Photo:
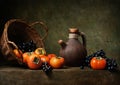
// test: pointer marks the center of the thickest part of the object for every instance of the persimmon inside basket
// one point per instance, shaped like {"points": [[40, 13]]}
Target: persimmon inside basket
{"points": [[17, 30]]}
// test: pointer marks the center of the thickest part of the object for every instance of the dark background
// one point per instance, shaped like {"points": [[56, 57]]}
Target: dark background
{"points": [[98, 19]]}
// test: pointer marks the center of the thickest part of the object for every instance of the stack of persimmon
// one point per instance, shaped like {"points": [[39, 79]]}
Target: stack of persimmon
{"points": [[35, 59]]}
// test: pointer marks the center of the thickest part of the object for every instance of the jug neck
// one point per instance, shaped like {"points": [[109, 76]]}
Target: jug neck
{"points": [[73, 35]]}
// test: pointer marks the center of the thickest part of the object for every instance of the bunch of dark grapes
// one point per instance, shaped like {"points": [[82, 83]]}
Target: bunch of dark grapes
{"points": [[111, 64], [46, 68], [29, 46]]}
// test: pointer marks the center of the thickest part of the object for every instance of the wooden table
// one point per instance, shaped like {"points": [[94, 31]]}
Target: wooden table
{"points": [[66, 76]]}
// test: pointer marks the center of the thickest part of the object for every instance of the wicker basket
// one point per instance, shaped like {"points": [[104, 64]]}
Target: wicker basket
{"points": [[16, 30]]}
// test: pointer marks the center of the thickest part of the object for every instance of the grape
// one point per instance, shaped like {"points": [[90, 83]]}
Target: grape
{"points": [[111, 64], [108, 68], [115, 64], [29, 46], [82, 67], [46, 68]]}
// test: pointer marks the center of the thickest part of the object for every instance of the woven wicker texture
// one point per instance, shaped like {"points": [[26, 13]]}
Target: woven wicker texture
{"points": [[16, 30]]}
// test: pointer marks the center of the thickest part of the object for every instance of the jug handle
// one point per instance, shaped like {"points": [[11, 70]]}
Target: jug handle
{"points": [[82, 34]]}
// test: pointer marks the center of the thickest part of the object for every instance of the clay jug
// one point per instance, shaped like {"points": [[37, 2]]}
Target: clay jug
{"points": [[73, 51]]}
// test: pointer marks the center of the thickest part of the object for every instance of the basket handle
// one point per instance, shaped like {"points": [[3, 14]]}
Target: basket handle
{"points": [[6, 37], [13, 44], [44, 26]]}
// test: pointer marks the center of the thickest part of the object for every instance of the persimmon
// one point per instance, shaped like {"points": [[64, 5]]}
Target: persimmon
{"points": [[51, 55], [57, 62], [40, 51], [34, 62], [26, 55], [98, 63], [18, 53], [44, 58]]}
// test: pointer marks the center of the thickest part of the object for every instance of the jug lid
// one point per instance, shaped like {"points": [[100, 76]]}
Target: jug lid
{"points": [[73, 30]]}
